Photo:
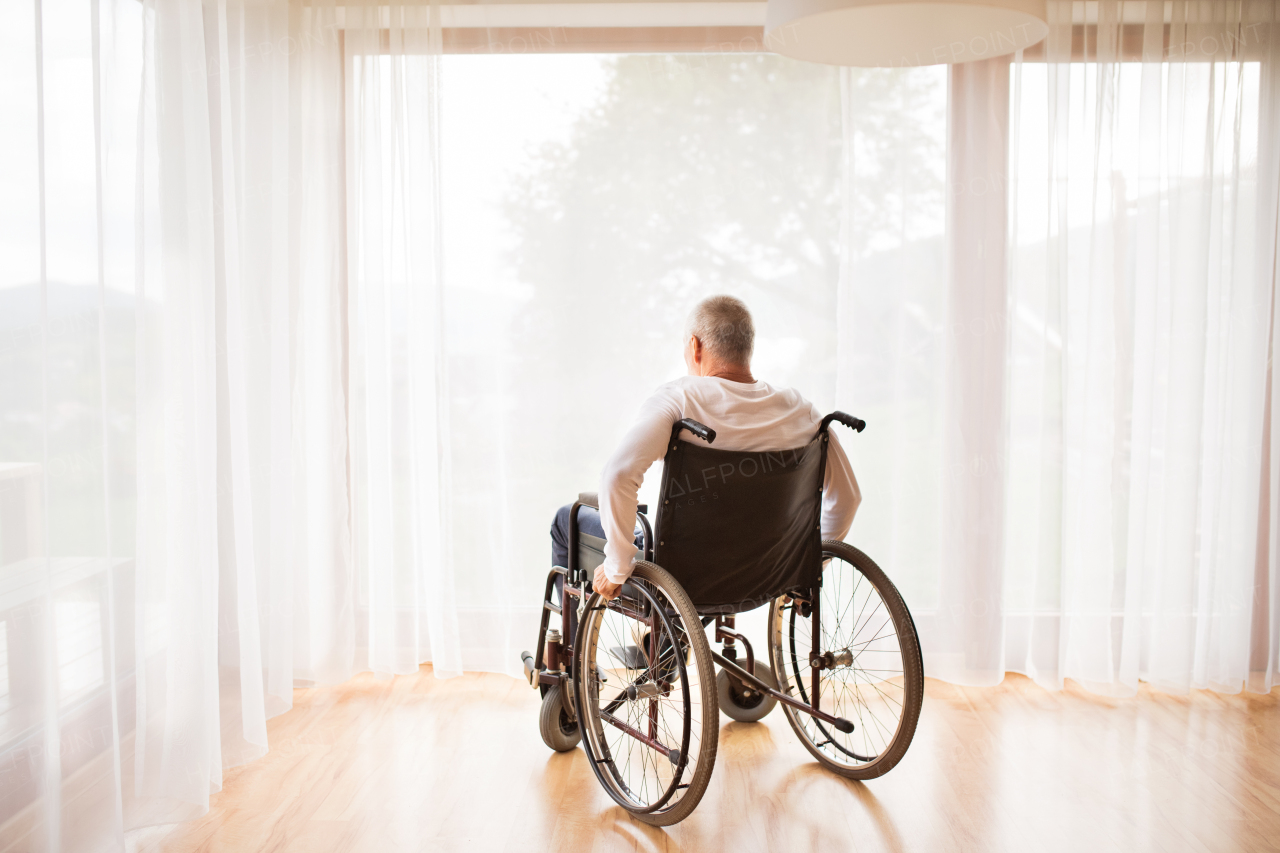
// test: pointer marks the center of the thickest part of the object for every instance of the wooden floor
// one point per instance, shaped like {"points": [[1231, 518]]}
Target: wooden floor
{"points": [[419, 764]]}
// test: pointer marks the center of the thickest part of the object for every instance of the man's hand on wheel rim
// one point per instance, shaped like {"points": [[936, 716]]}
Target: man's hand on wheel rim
{"points": [[601, 584]]}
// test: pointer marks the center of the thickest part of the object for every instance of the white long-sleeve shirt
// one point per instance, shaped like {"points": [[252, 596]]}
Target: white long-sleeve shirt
{"points": [[750, 416]]}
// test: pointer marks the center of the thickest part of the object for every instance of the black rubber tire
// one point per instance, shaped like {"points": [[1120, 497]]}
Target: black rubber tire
{"points": [[699, 659], [754, 708], [912, 670], [558, 731]]}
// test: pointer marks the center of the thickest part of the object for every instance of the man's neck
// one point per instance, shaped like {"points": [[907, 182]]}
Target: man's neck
{"points": [[731, 372]]}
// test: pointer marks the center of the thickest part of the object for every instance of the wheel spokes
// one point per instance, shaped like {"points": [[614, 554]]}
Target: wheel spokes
{"points": [[867, 683], [649, 740]]}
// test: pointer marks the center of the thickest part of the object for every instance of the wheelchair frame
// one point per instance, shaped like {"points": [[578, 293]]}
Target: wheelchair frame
{"points": [[548, 668], [548, 662], [552, 664]]}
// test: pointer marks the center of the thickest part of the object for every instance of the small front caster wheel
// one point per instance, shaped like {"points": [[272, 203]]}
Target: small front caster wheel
{"points": [[742, 702], [558, 731]]}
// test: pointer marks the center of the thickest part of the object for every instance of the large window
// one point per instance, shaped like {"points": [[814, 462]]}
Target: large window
{"points": [[590, 199]]}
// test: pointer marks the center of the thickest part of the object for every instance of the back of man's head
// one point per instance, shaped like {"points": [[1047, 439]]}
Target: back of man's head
{"points": [[724, 326]]}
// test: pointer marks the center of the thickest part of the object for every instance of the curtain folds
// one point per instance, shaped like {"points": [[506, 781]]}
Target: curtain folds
{"points": [[224, 473], [1101, 449], [406, 608]]}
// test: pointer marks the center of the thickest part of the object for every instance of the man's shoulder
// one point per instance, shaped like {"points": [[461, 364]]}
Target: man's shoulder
{"points": [[669, 397], [789, 394], [786, 395], [791, 400], [685, 388], [676, 388]]}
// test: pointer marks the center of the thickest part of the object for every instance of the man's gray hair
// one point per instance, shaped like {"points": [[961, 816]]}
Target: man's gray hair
{"points": [[724, 326]]}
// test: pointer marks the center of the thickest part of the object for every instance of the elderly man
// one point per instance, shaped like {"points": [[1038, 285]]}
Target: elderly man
{"points": [[721, 392]]}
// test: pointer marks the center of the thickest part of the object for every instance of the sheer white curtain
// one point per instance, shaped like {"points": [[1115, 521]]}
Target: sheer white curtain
{"points": [[406, 607], [1152, 285], [221, 467], [1074, 476]]}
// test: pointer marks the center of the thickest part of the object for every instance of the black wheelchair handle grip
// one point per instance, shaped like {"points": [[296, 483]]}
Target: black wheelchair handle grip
{"points": [[855, 424], [702, 431]]}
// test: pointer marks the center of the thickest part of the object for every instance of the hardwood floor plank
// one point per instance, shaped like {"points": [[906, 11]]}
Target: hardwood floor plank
{"points": [[419, 764]]}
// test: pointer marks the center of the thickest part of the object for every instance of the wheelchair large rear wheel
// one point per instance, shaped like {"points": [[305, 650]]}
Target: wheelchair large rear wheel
{"points": [[646, 697], [872, 676]]}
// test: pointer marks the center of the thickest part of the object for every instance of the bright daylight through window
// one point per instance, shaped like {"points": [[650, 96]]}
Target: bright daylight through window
{"points": [[588, 198]]}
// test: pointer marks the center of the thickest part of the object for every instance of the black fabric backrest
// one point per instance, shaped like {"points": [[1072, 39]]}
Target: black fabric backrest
{"points": [[739, 528]]}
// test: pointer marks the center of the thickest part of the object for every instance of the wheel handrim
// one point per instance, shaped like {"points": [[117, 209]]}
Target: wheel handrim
{"points": [[870, 690], [636, 774]]}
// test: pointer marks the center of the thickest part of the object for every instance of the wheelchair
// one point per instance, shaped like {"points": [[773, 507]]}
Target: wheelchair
{"points": [[634, 679]]}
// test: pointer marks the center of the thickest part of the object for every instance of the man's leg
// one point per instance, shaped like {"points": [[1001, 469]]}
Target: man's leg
{"points": [[560, 537], [589, 523]]}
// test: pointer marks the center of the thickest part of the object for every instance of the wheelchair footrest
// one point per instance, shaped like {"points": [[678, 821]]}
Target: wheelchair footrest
{"points": [[632, 657]]}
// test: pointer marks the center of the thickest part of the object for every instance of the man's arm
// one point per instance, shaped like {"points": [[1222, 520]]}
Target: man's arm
{"points": [[841, 496], [644, 444]]}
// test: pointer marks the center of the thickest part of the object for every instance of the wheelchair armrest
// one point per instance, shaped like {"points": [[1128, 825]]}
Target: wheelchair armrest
{"points": [[592, 499]]}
